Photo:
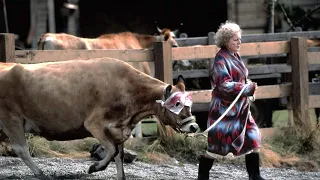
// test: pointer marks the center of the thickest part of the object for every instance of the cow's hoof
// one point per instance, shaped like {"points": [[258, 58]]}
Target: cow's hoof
{"points": [[93, 168], [42, 176]]}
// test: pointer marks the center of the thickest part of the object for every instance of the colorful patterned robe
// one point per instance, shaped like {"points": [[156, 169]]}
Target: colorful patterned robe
{"points": [[237, 132]]}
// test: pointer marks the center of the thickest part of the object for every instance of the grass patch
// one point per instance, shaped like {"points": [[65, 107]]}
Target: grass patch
{"points": [[40, 147], [178, 146], [294, 149]]}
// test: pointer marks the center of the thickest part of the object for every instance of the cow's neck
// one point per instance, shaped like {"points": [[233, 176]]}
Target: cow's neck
{"points": [[146, 41], [148, 92]]}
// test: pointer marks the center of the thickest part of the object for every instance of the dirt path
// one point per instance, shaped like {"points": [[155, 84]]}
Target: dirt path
{"points": [[63, 168]]}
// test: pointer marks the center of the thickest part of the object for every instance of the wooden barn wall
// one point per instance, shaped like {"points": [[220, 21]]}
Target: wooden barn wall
{"points": [[312, 23], [251, 15]]}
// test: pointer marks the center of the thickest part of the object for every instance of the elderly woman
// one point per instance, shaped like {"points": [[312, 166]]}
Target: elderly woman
{"points": [[237, 132]]}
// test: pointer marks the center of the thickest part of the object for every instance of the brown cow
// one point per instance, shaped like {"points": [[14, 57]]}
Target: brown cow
{"points": [[75, 99], [123, 40]]}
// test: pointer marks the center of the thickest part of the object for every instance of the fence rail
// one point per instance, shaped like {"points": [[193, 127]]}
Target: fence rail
{"points": [[163, 54]]}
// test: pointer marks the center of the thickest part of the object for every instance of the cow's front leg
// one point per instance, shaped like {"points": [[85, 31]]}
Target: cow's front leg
{"points": [[110, 148]]}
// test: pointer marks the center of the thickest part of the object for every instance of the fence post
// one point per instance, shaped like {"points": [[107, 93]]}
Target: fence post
{"points": [[7, 47], [211, 42], [163, 71], [163, 61], [300, 83]]}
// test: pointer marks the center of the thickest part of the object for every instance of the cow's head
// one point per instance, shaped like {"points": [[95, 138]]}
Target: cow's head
{"points": [[176, 108], [168, 35]]}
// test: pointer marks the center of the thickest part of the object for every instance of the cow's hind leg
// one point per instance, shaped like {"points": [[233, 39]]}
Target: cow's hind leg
{"points": [[119, 161], [13, 127]]}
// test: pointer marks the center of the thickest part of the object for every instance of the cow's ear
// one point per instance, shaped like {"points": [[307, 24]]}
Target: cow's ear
{"points": [[167, 35], [181, 79], [167, 92]]}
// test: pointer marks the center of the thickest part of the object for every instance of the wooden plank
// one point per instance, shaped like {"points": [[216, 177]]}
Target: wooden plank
{"points": [[37, 56], [273, 91], [192, 41], [247, 49], [264, 76], [200, 107], [314, 101], [263, 48], [314, 57], [263, 92], [314, 88], [245, 20], [194, 52], [231, 10], [7, 47], [191, 73], [267, 69], [201, 96], [252, 9], [253, 70], [300, 88], [284, 36]]}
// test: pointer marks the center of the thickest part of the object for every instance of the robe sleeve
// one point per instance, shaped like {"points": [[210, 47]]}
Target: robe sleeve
{"points": [[224, 82]]}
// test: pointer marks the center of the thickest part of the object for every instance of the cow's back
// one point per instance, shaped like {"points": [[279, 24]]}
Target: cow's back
{"points": [[60, 41]]}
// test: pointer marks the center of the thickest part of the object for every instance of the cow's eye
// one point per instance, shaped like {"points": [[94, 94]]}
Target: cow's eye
{"points": [[177, 104]]}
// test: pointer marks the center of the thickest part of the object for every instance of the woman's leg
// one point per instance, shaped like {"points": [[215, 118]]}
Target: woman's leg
{"points": [[253, 166], [205, 164]]}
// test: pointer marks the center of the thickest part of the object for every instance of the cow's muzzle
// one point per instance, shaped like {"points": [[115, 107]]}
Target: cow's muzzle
{"points": [[188, 125]]}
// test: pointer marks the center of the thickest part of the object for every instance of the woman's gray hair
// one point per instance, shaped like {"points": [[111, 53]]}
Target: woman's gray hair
{"points": [[225, 32]]}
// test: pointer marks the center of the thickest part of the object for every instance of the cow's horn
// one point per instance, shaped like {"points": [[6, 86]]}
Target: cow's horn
{"points": [[175, 32], [159, 30]]}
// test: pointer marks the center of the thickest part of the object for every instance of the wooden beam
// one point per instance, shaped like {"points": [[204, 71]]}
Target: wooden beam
{"points": [[7, 47], [38, 56], [262, 48], [314, 57], [194, 52], [263, 92], [253, 70], [273, 91], [163, 61], [284, 36], [314, 101], [300, 88], [247, 49]]}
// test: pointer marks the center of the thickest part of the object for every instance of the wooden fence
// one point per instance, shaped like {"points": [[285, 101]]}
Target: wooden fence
{"points": [[299, 62]]}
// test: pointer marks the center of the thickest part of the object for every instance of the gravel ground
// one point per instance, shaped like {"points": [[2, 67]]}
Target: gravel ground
{"points": [[63, 168]]}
